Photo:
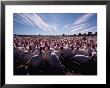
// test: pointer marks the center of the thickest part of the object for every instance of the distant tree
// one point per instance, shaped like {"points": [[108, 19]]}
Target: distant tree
{"points": [[95, 33], [63, 34], [89, 33], [84, 34], [74, 34], [79, 34], [15, 34]]}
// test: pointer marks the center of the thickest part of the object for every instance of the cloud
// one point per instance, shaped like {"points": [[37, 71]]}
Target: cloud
{"points": [[88, 29], [83, 18], [66, 26], [55, 27], [78, 29], [36, 21], [19, 21], [81, 24], [24, 18]]}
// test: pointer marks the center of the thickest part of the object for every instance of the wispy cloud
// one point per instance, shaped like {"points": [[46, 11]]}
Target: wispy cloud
{"points": [[81, 24], [79, 28], [66, 26], [24, 18], [35, 20], [52, 24], [19, 21], [83, 18], [54, 27], [88, 29]]}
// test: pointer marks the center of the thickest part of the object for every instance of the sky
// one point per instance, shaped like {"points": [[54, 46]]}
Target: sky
{"points": [[54, 23]]}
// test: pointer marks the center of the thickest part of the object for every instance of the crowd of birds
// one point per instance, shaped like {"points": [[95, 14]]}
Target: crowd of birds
{"points": [[55, 55]]}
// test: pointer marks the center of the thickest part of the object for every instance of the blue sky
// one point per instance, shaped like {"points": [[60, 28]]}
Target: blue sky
{"points": [[54, 23]]}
